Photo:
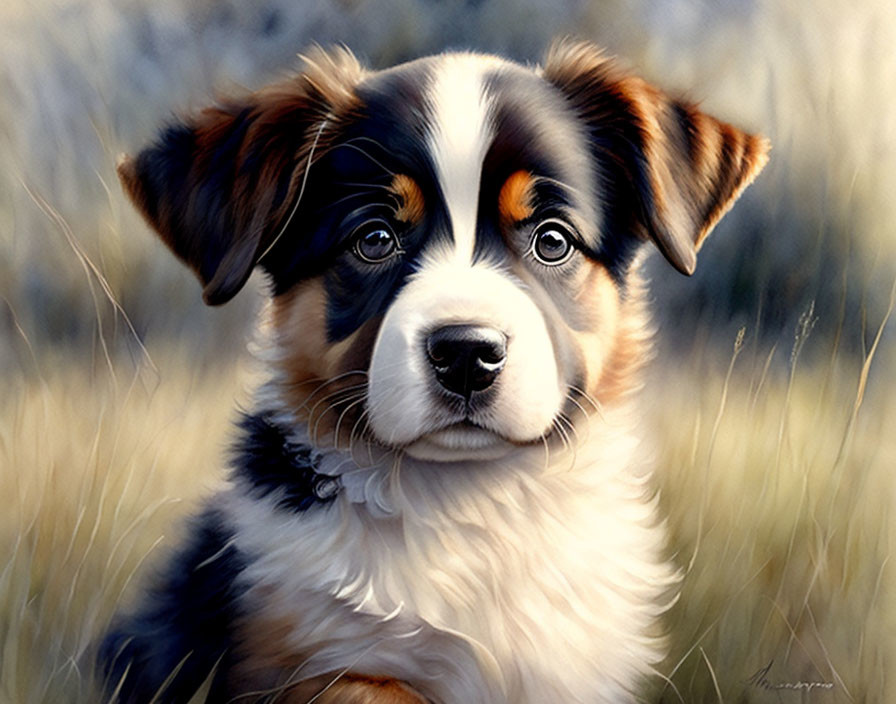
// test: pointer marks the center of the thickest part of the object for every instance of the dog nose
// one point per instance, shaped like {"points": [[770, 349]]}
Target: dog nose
{"points": [[466, 358]]}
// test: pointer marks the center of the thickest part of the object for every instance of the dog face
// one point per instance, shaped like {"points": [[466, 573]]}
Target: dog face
{"points": [[451, 244]]}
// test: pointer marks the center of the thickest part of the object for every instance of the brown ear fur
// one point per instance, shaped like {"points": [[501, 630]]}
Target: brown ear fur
{"points": [[218, 187], [683, 168]]}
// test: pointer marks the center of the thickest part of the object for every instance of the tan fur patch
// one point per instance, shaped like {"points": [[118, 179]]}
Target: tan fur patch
{"points": [[324, 383], [355, 689], [752, 156], [515, 198], [345, 689], [412, 206], [599, 297], [614, 342], [266, 660], [332, 75], [269, 663], [631, 351], [299, 316]]}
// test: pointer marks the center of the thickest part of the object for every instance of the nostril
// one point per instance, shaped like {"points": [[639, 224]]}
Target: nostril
{"points": [[492, 352], [466, 358], [439, 350]]}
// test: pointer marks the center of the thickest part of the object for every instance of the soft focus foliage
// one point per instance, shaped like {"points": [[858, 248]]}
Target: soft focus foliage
{"points": [[96, 465], [775, 462], [83, 81], [778, 485]]}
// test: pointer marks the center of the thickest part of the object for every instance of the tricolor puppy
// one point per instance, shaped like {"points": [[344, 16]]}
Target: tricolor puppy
{"points": [[437, 496]]}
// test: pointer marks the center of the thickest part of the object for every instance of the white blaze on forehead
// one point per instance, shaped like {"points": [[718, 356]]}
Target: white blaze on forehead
{"points": [[459, 136]]}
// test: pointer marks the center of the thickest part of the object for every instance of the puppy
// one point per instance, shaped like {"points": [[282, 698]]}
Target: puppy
{"points": [[438, 495]]}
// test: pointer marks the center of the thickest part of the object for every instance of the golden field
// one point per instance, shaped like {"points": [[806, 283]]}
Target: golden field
{"points": [[778, 489]]}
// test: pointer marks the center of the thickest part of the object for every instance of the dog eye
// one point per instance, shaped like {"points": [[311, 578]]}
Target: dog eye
{"points": [[374, 242], [552, 243]]}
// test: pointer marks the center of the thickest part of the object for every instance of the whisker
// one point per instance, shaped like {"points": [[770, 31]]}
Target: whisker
{"points": [[573, 446], [367, 138], [348, 145], [295, 206], [328, 379], [323, 385], [349, 197], [339, 421], [563, 434], [578, 405], [370, 186], [561, 184], [322, 399], [315, 424], [589, 398], [395, 478], [547, 451], [322, 382], [343, 672], [569, 424], [366, 189], [585, 417], [334, 399], [362, 420]]}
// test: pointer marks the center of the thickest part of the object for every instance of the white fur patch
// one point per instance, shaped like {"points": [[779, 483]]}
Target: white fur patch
{"points": [[459, 136], [511, 581], [403, 405]]}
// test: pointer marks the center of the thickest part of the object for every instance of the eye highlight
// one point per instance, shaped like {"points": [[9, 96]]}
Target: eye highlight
{"points": [[374, 242], [552, 243]]}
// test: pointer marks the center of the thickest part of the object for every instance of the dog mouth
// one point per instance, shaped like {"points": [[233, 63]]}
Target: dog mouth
{"points": [[463, 434], [460, 440]]}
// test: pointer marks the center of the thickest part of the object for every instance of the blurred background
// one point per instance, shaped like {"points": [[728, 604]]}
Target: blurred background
{"points": [[771, 401]]}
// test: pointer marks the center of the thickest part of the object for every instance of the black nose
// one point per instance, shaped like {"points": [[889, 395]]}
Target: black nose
{"points": [[466, 358]]}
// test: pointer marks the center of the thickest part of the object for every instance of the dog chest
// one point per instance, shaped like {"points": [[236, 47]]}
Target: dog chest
{"points": [[510, 590]]}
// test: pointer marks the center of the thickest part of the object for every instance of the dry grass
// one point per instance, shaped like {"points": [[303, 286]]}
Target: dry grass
{"points": [[778, 489], [95, 469]]}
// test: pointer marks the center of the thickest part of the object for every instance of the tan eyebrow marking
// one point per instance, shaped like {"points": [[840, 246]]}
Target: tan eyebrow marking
{"points": [[411, 197], [515, 198]]}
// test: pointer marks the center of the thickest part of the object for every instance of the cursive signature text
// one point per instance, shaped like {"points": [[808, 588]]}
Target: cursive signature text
{"points": [[760, 679]]}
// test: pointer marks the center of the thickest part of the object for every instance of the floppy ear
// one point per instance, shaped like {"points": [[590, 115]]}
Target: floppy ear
{"points": [[669, 171], [218, 187]]}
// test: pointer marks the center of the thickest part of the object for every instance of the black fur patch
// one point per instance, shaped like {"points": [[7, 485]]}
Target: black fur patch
{"points": [[269, 463], [529, 114], [348, 185], [184, 626]]}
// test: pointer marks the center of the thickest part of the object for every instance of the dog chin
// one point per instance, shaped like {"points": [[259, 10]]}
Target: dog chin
{"points": [[459, 442]]}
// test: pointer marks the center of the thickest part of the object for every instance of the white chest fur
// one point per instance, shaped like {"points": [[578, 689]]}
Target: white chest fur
{"points": [[521, 581]]}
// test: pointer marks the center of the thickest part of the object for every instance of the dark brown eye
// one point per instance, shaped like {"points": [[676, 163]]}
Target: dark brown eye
{"points": [[375, 242], [552, 243]]}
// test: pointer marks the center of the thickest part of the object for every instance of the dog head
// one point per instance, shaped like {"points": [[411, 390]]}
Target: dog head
{"points": [[451, 244]]}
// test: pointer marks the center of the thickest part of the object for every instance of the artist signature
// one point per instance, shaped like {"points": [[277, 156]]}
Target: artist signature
{"points": [[760, 679]]}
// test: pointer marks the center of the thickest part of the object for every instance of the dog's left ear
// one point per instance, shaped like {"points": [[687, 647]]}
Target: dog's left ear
{"points": [[670, 172]]}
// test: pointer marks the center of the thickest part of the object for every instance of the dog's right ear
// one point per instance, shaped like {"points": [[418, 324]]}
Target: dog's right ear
{"points": [[672, 171], [217, 188]]}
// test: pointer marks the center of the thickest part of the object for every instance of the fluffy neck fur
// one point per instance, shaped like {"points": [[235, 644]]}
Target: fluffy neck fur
{"points": [[475, 584]]}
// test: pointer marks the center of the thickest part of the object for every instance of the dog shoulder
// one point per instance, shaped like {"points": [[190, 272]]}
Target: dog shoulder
{"points": [[182, 632]]}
